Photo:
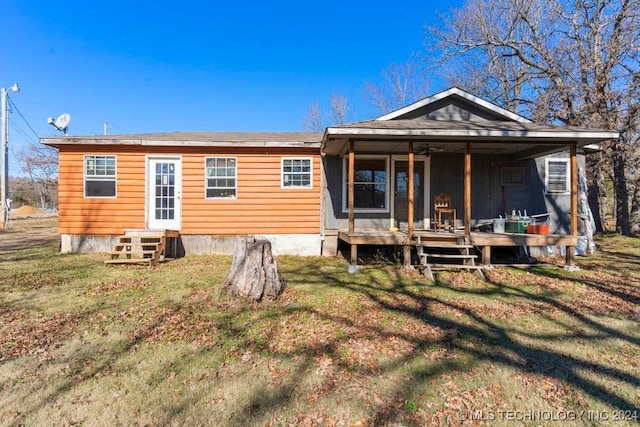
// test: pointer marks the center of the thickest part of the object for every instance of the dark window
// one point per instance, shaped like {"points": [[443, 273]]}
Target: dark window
{"points": [[370, 183], [512, 176]]}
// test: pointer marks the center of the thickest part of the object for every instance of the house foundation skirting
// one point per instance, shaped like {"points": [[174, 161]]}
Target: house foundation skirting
{"points": [[86, 244], [282, 244]]}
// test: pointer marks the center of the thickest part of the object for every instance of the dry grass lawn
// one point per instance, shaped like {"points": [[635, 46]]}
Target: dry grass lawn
{"points": [[82, 343]]}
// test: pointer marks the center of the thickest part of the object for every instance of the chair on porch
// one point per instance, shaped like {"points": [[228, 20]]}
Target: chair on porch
{"points": [[442, 206]]}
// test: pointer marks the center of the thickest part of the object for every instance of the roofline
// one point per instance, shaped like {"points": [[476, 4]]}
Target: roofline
{"points": [[461, 93], [57, 141], [497, 134]]}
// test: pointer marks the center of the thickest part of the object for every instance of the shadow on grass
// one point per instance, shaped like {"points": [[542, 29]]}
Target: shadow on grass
{"points": [[473, 334], [480, 338]]}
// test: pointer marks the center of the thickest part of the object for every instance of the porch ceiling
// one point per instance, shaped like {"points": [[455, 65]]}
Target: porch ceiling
{"points": [[521, 140]]}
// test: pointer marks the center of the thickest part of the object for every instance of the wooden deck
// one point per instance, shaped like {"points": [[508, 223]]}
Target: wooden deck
{"points": [[485, 241], [482, 240]]}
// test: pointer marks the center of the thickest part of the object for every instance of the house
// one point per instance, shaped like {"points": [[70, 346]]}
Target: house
{"points": [[365, 183], [210, 187]]}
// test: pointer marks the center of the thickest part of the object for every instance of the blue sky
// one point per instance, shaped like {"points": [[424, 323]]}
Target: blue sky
{"points": [[158, 66]]}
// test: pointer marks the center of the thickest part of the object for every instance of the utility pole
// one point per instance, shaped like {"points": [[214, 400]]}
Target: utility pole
{"points": [[4, 156]]}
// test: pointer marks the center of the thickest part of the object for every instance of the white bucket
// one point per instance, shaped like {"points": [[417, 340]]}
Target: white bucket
{"points": [[498, 225]]}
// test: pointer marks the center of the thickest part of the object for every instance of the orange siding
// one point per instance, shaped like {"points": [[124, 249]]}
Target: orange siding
{"points": [[261, 206]]}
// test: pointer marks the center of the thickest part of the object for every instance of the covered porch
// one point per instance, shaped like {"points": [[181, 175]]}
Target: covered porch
{"points": [[419, 144]]}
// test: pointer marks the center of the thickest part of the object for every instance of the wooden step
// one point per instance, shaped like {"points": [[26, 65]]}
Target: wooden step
{"points": [[138, 246], [445, 246], [451, 256], [130, 253], [149, 261], [428, 269], [127, 239], [144, 233], [119, 246], [458, 254], [455, 267]]}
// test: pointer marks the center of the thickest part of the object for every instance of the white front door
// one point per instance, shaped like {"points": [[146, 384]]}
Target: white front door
{"points": [[164, 193]]}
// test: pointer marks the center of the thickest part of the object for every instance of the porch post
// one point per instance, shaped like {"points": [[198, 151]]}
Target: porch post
{"points": [[351, 193], [467, 191], [410, 190], [350, 188], [571, 250]]}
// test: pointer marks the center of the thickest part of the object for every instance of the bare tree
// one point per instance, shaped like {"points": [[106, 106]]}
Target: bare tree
{"points": [[338, 109], [338, 113], [569, 61], [40, 163], [402, 84], [312, 122]]}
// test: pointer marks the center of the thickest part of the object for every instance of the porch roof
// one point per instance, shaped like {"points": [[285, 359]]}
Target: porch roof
{"points": [[519, 139]]}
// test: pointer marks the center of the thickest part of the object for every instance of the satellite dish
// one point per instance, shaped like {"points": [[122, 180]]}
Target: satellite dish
{"points": [[61, 123]]}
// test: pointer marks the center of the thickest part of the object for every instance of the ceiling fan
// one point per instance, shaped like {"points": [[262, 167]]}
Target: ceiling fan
{"points": [[426, 150]]}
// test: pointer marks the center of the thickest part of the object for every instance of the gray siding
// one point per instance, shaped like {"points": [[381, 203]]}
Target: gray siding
{"points": [[557, 205], [489, 197], [334, 217], [454, 109]]}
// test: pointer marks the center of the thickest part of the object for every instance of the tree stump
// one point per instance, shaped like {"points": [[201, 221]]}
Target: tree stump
{"points": [[254, 272]]}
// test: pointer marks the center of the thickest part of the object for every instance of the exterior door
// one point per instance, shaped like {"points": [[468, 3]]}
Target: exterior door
{"points": [[401, 199], [164, 193]]}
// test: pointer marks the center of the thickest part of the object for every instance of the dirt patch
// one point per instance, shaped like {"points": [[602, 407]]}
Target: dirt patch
{"points": [[29, 232], [26, 210]]}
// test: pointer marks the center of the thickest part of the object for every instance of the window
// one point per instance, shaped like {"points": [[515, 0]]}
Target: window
{"points": [[370, 185], [221, 174], [99, 176], [511, 176], [557, 176], [296, 173]]}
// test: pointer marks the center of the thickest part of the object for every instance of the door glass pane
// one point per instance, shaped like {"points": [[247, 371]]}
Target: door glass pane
{"points": [[401, 201], [165, 190]]}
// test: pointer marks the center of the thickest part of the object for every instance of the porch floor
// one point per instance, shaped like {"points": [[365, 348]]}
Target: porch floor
{"points": [[484, 241]]}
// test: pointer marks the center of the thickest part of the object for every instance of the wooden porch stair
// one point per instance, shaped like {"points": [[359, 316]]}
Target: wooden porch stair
{"points": [[139, 247], [435, 256]]}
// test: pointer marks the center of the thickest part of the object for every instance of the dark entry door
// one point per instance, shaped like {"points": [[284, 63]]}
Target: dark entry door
{"points": [[401, 200]]}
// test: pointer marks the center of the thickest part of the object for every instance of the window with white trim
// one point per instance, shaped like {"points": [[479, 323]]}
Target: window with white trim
{"points": [[221, 177], [557, 175], [370, 185], [297, 173], [99, 176]]}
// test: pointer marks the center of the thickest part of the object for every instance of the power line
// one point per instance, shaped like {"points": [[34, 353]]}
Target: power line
{"points": [[21, 131], [82, 130], [14, 106]]}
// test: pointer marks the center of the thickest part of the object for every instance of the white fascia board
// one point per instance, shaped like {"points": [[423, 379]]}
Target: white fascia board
{"points": [[459, 92], [572, 135], [164, 143]]}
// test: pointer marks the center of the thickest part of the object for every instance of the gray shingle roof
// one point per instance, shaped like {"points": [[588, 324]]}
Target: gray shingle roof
{"points": [[252, 139], [464, 126]]}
